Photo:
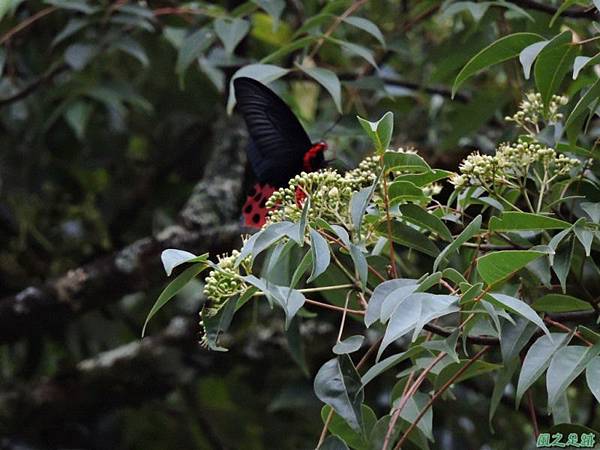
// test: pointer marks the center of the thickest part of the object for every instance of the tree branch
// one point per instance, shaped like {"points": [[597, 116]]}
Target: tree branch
{"points": [[132, 374], [208, 222], [32, 87], [588, 13]]}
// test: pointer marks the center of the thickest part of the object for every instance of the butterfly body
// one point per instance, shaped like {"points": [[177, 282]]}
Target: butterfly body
{"points": [[279, 148]]}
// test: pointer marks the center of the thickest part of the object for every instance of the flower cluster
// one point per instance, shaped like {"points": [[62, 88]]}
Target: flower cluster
{"points": [[329, 191], [223, 283], [531, 110], [512, 162]]}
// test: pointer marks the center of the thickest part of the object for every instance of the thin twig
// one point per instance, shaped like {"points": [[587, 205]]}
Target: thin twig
{"points": [[587, 13], [335, 308], [438, 394], [26, 23], [31, 87], [534, 422], [409, 393], [338, 20]]}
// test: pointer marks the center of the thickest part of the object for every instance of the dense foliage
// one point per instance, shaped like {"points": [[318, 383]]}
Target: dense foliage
{"points": [[443, 269]]}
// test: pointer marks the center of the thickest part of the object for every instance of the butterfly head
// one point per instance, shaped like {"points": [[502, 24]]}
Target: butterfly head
{"points": [[314, 158]]}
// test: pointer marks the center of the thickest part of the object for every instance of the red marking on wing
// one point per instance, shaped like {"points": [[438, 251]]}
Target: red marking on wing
{"points": [[300, 197], [308, 161], [255, 210]]}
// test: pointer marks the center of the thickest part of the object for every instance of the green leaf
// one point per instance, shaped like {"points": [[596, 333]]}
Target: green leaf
{"points": [[447, 345], [583, 61], [9, 7], [73, 5], [498, 266], [338, 385], [562, 262], [585, 236], [380, 294], [413, 407], [427, 282], [357, 50], [172, 289], [566, 365], [516, 10], [502, 380], [409, 237], [403, 191], [477, 368], [501, 50], [274, 8], [562, 8], [477, 10], [329, 80], [288, 48], [321, 254], [588, 334], [380, 132], [592, 377], [582, 105], [538, 359], [405, 162], [528, 56], [265, 73], [79, 55], [231, 32], [348, 345], [513, 220], [358, 205], [394, 299], [413, 313], [265, 238], [423, 179], [333, 443], [132, 48], [340, 429], [217, 324], [555, 242], [424, 219], [303, 223], [72, 27], [366, 25], [306, 262], [77, 116], [592, 210], [360, 264], [313, 23], [389, 362], [380, 432], [513, 337], [552, 65], [191, 48], [519, 307], [558, 303], [470, 230], [290, 300], [172, 258]]}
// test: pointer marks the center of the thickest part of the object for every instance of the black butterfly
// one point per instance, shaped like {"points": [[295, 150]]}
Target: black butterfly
{"points": [[279, 148]]}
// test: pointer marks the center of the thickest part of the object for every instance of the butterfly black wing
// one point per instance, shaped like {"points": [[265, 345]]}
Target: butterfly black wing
{"points": [[278, 140]]}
